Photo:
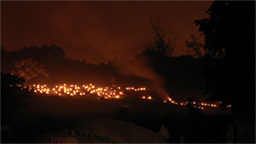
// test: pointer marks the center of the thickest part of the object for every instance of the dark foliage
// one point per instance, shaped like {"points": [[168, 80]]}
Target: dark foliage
{"points": [[230, 37], [13, 98]]}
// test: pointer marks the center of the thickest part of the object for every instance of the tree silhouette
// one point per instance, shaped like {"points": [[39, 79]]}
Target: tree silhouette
{"points": [[28, 69], [13, 98], [230, 39], [195, 47], [43, 53], [159, 49], [161, 44]]}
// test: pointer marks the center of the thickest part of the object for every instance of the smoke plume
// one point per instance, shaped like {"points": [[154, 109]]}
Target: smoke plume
{"points": [[141, 68]]}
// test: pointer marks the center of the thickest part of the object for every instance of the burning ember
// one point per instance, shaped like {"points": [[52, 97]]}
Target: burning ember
{"points": [[75, 90], [114, 92]]}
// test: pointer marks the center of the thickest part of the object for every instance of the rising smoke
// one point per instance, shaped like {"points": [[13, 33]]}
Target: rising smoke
{"points": [[141, 68]]}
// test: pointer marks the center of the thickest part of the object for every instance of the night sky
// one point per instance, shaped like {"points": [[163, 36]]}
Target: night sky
{"points": [[96, 31]]}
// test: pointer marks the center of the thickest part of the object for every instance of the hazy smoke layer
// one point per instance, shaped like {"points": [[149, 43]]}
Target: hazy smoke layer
{"points": [[141, 68]]}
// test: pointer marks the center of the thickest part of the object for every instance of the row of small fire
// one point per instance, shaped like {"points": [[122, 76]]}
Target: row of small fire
{"points": [[113, 92]]}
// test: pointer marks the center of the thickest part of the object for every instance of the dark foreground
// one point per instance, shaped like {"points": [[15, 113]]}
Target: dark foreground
{"points": [[52, 119]]}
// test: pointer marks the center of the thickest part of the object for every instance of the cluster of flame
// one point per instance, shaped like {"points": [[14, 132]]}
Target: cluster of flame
{"points": [[135, 89], [193, 103], [113, 92], [75, 90]]}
